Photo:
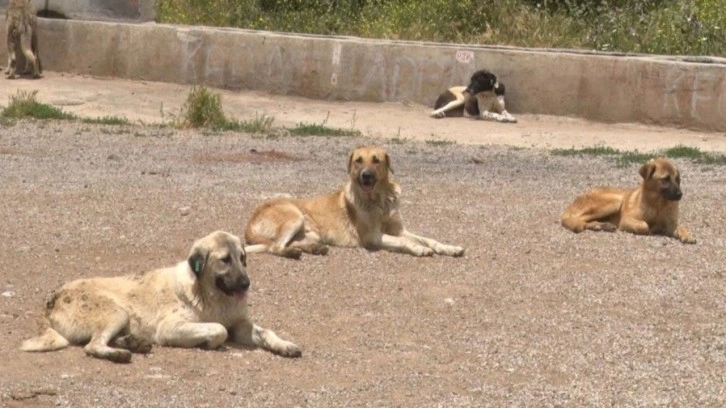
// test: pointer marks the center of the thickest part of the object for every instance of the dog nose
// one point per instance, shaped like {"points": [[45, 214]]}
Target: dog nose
{"points": [[367, 175], [243, 282], [678, 194]]}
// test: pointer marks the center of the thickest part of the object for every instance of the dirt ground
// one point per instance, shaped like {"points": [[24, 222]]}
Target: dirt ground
{"points": [[533, 315], [154, 102]]}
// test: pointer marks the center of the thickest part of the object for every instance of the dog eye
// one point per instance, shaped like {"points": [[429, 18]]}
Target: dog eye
{"points": [[359, 159], [227, 259], [243, 259], [376, 159]]}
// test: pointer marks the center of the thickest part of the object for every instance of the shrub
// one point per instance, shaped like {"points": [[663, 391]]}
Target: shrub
{"points": [[694, 27]]}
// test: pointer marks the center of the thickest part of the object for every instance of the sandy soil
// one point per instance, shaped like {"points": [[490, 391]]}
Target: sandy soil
{"points": [[153, 102], [533, 315]]}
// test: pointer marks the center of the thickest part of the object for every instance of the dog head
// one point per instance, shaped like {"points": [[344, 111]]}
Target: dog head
{"points": [[482, 81], [368, 167], [662, 176], [219, 262]]}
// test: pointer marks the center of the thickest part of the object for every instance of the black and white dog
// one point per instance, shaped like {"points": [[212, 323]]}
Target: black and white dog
{"points": [[483, 98]]}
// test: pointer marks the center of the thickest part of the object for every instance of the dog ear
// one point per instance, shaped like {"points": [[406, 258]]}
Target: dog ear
{"points": [[647, 170], [387, 159], [350, 160], [198, 260]]}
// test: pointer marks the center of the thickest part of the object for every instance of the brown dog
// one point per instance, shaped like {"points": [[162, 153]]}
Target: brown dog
{"points": [[651, 208], [22, 36], [364, 213]]}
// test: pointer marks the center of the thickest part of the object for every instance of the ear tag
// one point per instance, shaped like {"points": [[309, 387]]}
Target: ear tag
{"points": [[197, 267]]}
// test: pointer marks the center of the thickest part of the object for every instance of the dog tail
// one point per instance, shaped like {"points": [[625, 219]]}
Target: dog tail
{"points": [[50, 340], [257, 249]]}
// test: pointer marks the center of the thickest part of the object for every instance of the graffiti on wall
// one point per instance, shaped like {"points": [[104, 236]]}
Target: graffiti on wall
{"points": [[690, 94]]}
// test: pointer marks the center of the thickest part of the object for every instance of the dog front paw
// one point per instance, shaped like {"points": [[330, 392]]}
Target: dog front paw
{"points": [[291, 252], [449, 250], [684, 236], [289, 350], [457, 251], [687, 239], [422, 251], [133, 344], [437, 114], [319, 249]]}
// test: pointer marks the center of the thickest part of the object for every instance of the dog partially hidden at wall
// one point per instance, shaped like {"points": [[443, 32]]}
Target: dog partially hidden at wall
{"points": [[483, 98], [22, 37]]}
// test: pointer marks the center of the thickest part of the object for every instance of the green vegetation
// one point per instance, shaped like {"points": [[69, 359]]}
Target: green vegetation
{"points": [[260, 124], [625, 158], [696, 155], [107, 120], [24, 105], [684, 27], [203, 109], [439, 142], [315, 129]]}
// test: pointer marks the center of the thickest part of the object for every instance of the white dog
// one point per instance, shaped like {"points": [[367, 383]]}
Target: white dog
{"points": [[200, 302]]}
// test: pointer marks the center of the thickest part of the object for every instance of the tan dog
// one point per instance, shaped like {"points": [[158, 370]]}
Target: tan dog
{"points": [[364, 213], [200, 302], [22, 35], [650, 209]]}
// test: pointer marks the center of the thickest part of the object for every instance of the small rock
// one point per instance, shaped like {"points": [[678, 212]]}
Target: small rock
{"points": [[184, 211], [8, 294]]}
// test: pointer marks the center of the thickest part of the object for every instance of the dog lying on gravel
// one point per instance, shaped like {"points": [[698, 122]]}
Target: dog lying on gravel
{"points": [[651, 208], [200, 302], [483, 98], [364, 213]]}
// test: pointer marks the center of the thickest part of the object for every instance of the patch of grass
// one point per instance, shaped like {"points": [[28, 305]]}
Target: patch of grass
{"points": [[202, 109], [320, 129], [24, 105], [626, 158], [439, 142], [260, 124], [695, 154], [107, 120], [587, 151]]}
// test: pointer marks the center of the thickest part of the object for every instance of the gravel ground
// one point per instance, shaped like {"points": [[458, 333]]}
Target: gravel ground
{"points": [[533, 315]]}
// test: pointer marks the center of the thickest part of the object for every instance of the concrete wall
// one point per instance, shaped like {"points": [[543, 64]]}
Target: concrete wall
{"points": [[601, 87]]}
